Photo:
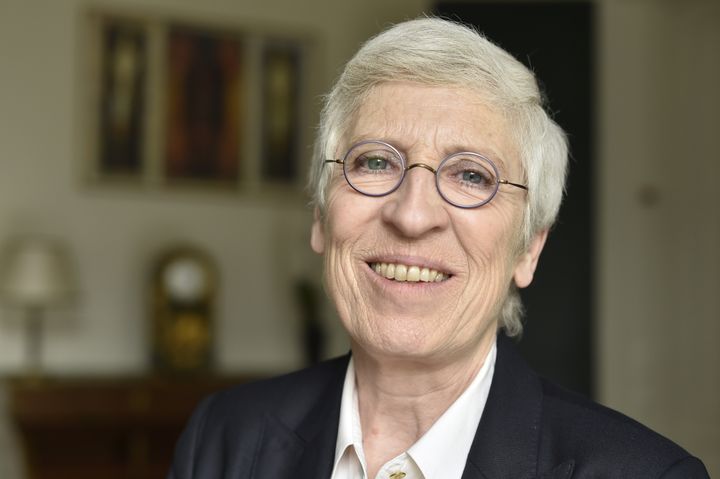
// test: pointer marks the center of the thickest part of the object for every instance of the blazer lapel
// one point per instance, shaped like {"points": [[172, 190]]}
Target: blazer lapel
{"points": [[321, 431], [506, 442], [278, 452], [505, 445], [563, 471], [307, 452]]}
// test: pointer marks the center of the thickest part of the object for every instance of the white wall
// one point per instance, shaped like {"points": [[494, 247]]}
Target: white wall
{"points": [[658, 328], [260, 243]]}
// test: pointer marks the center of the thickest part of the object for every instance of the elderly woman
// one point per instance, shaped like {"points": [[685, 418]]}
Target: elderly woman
{"points": [[436, 177]]}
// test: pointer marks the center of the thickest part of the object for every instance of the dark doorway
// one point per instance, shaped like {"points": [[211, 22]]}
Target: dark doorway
{"points": [[556, 41]]}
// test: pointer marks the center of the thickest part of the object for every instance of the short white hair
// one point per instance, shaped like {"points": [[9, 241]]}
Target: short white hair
{"points": [[438, 52]]}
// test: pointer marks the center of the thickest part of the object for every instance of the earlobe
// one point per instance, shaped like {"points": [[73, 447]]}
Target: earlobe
{"points": [[527, 262], [317, 233]]}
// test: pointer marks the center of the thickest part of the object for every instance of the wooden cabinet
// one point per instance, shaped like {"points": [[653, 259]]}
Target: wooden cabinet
{"points": [[104, 428]]}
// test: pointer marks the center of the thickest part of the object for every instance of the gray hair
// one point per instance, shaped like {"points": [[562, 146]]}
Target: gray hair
{"points": [[439, 52]]}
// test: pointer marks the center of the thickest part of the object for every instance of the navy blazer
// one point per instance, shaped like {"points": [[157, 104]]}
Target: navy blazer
{"points": [[286, 428]]}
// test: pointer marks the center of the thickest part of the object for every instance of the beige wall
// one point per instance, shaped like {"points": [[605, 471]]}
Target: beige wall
{"points": [[658, 265], [260, 242], [658, 279]]}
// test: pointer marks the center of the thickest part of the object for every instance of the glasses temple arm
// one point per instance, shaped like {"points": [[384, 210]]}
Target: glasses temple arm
{"points": [[517, 185]]}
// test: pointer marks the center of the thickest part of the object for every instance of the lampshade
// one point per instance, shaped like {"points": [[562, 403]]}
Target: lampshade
{"points": [[35, 272]]}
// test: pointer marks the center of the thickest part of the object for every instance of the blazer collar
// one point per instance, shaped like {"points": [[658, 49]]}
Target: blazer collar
{"points": [[506, 444], [306, 451], [319, 431], [507, 439]]}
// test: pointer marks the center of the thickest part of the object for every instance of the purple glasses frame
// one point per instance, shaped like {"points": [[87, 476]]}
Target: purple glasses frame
{"points": [[434, 171]]}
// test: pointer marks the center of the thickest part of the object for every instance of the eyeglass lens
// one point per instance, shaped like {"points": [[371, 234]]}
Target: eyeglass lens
{"points": [[463, 179]]}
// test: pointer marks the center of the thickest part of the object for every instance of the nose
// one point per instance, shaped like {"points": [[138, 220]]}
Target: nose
{"points": [[416, 208]]}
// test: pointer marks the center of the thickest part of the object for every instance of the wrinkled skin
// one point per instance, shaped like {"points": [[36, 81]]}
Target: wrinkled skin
{"points": [[429, 323]]}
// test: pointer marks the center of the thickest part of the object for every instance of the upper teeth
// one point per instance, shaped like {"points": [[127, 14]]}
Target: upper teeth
{"points": [[401, 272]]}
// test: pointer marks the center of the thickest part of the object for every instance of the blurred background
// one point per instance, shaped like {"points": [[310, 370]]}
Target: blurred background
{"points": [[154, 228]]}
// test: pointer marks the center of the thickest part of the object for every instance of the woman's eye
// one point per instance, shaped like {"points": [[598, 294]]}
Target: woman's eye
{"points": [[466, 175], [377, 163], [473, 177]]}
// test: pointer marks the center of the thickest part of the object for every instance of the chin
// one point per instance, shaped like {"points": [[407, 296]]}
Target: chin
{"points": [[396, 345]]}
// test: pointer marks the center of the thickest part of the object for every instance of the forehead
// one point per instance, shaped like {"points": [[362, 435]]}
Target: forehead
{"points": [[443, 119]]}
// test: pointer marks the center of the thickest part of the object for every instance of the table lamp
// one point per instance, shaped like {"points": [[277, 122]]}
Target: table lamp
{"points": [[35, 274]]}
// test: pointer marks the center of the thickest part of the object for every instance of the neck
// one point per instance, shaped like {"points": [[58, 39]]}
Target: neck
{"points": [[399, 399]]}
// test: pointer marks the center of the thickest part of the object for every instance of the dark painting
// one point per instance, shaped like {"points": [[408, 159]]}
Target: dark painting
{"points": [[280, 129], [122, 100], [204, 105]]}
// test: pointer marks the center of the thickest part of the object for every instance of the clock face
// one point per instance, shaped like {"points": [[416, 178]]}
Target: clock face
{"points": [[185, 280]]}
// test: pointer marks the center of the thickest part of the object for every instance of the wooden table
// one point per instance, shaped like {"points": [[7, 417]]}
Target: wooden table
{"points": [[104, 428]]}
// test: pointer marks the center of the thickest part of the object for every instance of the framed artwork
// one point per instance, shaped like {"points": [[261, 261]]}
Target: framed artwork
{"points": [[280, 126], [122, 99], [204, 88], [177, 104]]}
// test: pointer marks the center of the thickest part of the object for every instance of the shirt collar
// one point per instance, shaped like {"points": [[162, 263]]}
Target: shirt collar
{"points": [[349, 429], [442, 451]]}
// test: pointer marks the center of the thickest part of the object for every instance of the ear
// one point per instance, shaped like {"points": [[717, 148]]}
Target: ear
{"points": [[317, 233], [527, 262]]}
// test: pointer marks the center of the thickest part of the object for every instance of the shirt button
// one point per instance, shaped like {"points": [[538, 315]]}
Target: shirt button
{"points": [[397, 475]]}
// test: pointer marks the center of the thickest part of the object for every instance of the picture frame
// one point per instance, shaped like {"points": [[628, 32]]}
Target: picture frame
{"points": [[203, 106], [281, 67], [122, 104]]}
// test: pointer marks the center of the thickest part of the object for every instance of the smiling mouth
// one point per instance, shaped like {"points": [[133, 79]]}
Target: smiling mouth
{"points": [[409, 274]]}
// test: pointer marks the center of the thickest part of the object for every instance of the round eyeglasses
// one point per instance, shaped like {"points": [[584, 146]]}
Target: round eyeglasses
{"points": [[465, 179]]}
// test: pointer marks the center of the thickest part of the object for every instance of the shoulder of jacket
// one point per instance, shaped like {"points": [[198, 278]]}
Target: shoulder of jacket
{"points": [[294, 391], [575, 426]]}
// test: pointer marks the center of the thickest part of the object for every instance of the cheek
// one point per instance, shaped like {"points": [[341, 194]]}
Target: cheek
{"points": [[490, 242], [349, 214], [490, 247], [490, 271], [339, 277], [346, 223]]}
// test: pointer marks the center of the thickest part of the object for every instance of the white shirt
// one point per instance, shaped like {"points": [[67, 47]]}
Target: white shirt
{"points": [[441, 453]]}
